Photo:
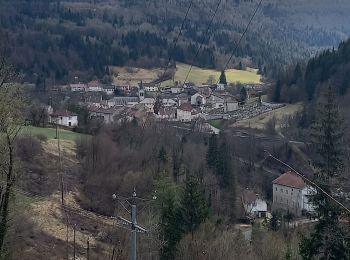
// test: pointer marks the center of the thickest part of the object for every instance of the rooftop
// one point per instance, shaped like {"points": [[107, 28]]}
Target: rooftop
{"points": [[249, 196], [62, 113], [186, 107], [290, 180]]}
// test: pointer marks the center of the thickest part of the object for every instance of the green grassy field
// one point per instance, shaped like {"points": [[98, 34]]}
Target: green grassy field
{"points": [[50, 133], [216, 123], [199, 75]]}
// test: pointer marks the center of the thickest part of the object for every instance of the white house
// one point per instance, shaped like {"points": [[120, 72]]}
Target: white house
{"points": [[216, 101], [149, 103], [78, 87], [122, 101], [176, 90], [151, 88], [184, 112], [220, 87], [198, 100], [168, 102], [254, 205], [109, 90], [167, 113], [290, 192], [94, 86], [64, 118], [231, 104]]}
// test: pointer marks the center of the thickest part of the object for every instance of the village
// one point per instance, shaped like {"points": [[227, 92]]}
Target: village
{"points": [[180, 103]]}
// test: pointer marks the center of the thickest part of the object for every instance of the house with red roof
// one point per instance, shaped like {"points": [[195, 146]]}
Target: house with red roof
{"points": [[291, 193], [184, 112]]}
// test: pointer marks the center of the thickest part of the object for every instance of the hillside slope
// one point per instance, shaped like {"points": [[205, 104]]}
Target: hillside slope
{"points": [[63, 39]]}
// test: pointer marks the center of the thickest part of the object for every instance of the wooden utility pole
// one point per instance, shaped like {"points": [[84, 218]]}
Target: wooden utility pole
{"points": [[74, 227], [67, 238], [113, 252], [88, 249], [62, 198]]}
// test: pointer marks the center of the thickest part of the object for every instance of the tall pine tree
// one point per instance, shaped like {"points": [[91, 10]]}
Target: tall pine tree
{"points": [[212, 153], [194, 209], [180, 216], [223, 78], [169, 219], [328, 240], [224, 169]]}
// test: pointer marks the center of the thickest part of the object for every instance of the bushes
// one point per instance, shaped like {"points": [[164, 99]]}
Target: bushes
{"points": [[28, 148]]}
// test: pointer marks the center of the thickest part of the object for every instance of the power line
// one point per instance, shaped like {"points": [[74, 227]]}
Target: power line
{"points": [[310, 181], [203, 39], [177, 38], [243, 34]]}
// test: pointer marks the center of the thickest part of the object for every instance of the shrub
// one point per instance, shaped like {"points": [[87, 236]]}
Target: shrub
{"points": [[28, 148], [42, 137]]}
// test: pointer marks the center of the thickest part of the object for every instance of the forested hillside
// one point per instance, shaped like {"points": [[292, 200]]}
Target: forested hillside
{"points": [[62, 39], [303, 82]]}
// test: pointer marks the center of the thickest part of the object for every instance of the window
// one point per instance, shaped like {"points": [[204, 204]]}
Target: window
{"points": [[276, 188], [70, 118], [292, 189], [286, 191], [282, 190]]}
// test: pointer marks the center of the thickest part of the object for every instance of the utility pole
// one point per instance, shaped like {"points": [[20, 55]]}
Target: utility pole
{"points": [[88, 250], [74, 227], [133, 232], [132, 225]]}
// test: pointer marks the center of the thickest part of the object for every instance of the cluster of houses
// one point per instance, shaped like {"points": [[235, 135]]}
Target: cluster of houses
{"points": [[92, 86], [290, 194], [180, 103]]}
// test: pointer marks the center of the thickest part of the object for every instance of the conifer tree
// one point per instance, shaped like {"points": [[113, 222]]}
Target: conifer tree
{"points": [[243, 94], [328, 240], [169, 219], [224, 169], [194, 209], [277, 92], [212, 153], [157, 105], [180, 216], [223, 78]]}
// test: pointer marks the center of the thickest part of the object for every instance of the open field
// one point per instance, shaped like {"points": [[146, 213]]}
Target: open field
{"points": [[198, 75], [260, 121], [133, 76], [50, 133]]}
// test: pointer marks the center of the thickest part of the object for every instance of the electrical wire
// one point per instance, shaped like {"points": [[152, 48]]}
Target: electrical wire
{"points": [[203, 39], [177, 38], [243, 34]]}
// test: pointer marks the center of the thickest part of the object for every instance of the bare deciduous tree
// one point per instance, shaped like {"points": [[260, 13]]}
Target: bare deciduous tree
{"points": [[11, 120]]}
